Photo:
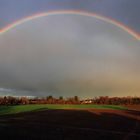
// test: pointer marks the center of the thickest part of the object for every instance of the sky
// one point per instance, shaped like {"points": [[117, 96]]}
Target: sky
{"points": [[67, 55], [126, 11]]}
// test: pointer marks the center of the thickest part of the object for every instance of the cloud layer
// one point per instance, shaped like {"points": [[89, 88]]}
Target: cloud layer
{"points": [[69, 55]]}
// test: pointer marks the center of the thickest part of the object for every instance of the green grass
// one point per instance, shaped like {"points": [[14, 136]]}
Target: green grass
{"points": [[27, 108]]}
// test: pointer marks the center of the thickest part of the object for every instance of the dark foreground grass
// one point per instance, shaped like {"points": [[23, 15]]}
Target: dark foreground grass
{"points": [[27, 108]]}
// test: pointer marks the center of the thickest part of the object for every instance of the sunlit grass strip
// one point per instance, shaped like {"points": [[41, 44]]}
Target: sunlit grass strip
{"points": [[28, 108]]}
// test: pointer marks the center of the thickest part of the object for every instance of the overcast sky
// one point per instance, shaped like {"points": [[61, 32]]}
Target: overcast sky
{"points": [[69, 54], [126, 11]]}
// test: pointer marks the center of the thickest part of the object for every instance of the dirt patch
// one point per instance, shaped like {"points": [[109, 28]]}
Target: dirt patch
{"points": [[134, 107]]}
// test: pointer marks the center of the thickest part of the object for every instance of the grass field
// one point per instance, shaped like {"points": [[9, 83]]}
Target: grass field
{"points": [[27, 108], [68, 122]]}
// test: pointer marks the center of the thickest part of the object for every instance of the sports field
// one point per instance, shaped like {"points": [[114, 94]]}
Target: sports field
{"points": [[27, 108], [69, 122]]}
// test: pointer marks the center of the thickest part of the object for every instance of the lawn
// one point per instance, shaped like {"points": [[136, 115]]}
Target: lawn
{"points": [[27, 108]]}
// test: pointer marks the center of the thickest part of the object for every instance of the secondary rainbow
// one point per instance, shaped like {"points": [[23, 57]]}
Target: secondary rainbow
{"points": [[75, 12]]}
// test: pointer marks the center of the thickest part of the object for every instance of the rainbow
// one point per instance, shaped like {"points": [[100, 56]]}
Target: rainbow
{"points": [[76, 12]]}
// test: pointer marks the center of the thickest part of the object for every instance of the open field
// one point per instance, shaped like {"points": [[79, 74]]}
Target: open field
{"points": [[27, 108], [71, 124]]}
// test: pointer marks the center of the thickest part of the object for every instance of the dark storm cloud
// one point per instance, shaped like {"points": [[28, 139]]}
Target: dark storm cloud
{"points": [[69, 55]]}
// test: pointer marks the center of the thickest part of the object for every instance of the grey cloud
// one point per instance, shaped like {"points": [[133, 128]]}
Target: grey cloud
{"points": [[69, 55]]}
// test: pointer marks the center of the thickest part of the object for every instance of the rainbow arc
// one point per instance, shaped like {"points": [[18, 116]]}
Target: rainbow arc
{"points": [[75, 12]]}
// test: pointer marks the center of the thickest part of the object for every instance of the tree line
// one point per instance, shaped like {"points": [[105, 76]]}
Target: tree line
{"points": [[9, 100]]}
